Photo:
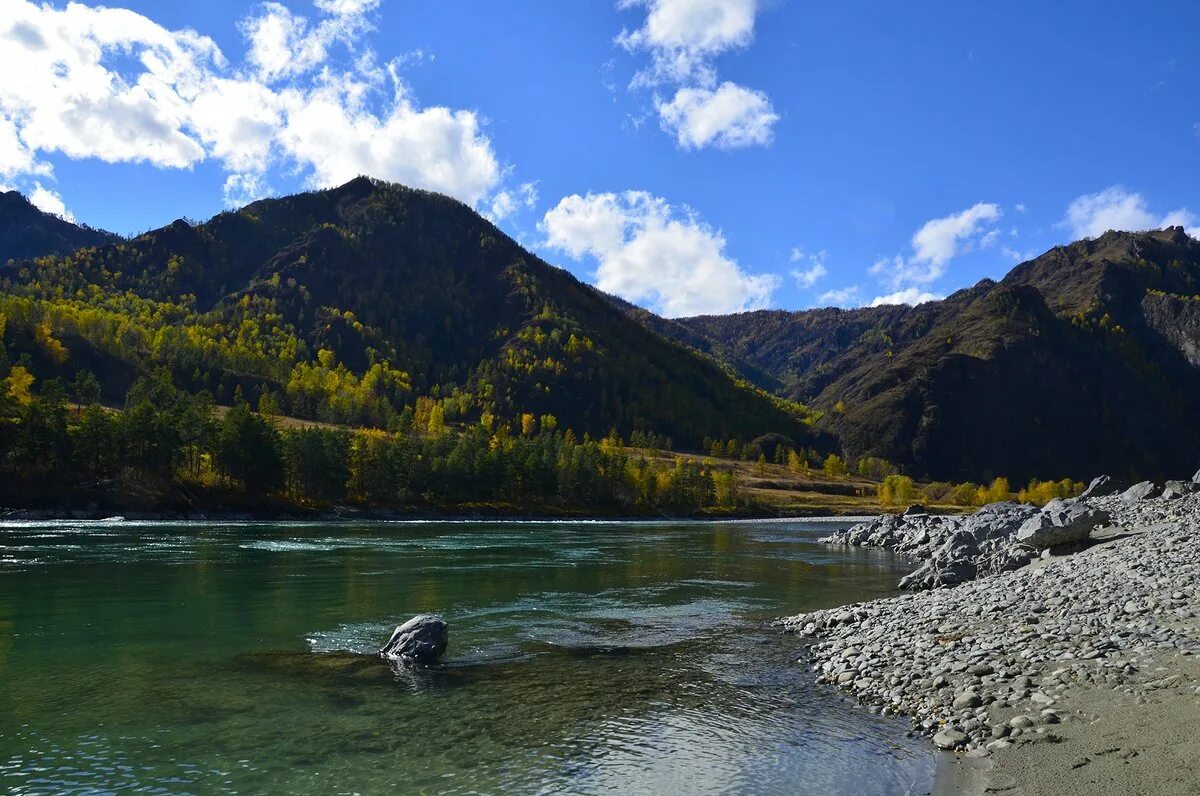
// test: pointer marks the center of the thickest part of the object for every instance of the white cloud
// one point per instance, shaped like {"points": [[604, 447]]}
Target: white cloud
{"points": [[650, 252], [280, 43], [842, 297], [111, 84], [1091, 215], [49, 202], [911, 296], [242, 189], [330, 130], [683, 35], [815, 268], [938, 242], [729, 117], [505, 203], [347, 7]]}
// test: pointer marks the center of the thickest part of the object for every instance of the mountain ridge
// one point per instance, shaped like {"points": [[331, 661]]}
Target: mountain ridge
{"points": [[1104, 330], [27, 232], [369, 303]]}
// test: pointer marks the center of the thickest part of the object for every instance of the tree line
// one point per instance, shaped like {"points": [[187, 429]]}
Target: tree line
{"points": [[55, 434]]}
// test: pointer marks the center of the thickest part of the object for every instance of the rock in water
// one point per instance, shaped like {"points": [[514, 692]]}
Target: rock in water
{"points": [[421, 640], [1061, 522]]}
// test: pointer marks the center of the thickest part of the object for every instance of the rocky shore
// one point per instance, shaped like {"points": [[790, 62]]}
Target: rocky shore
{"points": [[1033, 645]]}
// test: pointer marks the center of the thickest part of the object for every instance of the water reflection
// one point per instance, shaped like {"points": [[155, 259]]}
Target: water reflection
{"points": [[583, 657]]}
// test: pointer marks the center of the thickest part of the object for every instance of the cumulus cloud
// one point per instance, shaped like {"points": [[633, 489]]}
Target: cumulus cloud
{"points": [[842, 297], [911, 296], [683, 37], [938, 242], [728, 117], [652, 253], [1115, 208], [810, 268], [112, 84], [48, 201]]}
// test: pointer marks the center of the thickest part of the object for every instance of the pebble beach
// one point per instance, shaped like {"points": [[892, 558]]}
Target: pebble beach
{"points": [[1078, 671]]}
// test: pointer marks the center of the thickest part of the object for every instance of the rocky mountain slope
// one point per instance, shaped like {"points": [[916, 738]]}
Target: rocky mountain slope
{"points": [[1083, 359]]}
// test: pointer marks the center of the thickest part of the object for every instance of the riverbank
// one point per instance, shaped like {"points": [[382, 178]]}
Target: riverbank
{"points": [[1075, 674], [481, 512]]}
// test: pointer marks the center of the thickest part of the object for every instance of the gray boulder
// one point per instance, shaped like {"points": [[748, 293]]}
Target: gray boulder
{"points": [[1101, 486], [1141, 491], [1177, 489], [979, 544], [1061, 522], [1196, 477], [420, 641]]}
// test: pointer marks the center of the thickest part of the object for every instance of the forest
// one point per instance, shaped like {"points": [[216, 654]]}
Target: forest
{"points": [[53, 436]]}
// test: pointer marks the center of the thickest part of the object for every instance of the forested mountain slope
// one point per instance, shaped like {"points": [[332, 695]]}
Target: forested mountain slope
{"points": [[1081, 360], [370, 304], [26, 231]]}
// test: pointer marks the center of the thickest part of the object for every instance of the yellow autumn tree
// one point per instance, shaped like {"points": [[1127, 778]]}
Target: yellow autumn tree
{"points": [[18, 384], [835, 466]]}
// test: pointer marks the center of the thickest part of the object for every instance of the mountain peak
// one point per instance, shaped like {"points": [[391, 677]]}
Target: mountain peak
{"points": [[27, 232]]}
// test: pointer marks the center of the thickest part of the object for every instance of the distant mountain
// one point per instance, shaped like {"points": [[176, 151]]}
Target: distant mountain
{"points": [[373, 304], [27, 232], [1085, 359]]}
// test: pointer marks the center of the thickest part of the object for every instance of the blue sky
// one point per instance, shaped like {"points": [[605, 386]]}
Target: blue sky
{"points": [[690, 155]]}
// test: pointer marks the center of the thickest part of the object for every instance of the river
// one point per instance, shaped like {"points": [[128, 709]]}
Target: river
{"points": [[585, 657]]}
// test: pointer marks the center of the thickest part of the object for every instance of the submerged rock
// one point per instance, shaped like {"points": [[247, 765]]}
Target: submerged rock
{"points": [[421, 640], [1061, 522]]}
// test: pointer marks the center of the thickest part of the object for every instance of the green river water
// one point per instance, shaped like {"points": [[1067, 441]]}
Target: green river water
{"points": [[584, 657]]}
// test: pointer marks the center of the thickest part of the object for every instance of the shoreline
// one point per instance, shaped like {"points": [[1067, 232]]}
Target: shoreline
{"points": [[350, 514], [1077, 673]]}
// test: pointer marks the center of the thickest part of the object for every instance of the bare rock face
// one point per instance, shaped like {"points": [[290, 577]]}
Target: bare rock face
{"points": [[420, 641], [1061, 522]]}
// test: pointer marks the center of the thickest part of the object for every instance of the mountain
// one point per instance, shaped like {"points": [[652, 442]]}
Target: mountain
{"points": [[371, 304], [26, 232], [1085, 359]]}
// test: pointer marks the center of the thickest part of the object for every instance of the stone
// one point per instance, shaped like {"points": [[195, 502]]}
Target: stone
{"points": [[1101, 486], [1020, 722], [1173, 490], [1061, 522], [1141, 491], [967, 700], [914, 510], [420, 641], [949, 739]]}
